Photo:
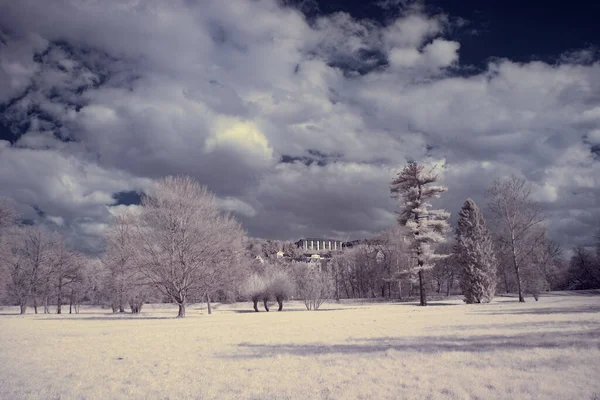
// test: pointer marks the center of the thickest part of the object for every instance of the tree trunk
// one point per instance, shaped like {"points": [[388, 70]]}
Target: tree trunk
{"points": [[46, 309], [280, 302], [22, 307], [448, 287], [506, 287], [516, 265], [422, 289], [208, 304], [181, 312], [71, 303], [255, 301], [35, 304], [521, 298], [121, 308], [59, 298], [266, 305]]}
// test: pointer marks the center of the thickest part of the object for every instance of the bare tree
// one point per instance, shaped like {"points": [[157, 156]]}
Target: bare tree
{"points": [[7, 220], [314, 285], [8, 215], [30, 263], [182, 239], [413, 186], [584, 269], [124, 282], [510, 202]]}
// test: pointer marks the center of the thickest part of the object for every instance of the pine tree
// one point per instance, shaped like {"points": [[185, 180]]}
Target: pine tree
{"points": [[475, 254], [413, 186]]}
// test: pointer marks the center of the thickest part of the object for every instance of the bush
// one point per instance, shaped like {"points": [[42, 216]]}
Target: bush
{"points": [[280, 286], [255, 288]]}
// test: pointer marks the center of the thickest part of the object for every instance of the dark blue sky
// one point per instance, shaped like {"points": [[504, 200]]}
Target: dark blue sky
{"points": [[519, 30]]}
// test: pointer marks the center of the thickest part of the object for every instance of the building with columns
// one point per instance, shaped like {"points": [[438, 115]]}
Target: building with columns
{"points": [[317, 244]]}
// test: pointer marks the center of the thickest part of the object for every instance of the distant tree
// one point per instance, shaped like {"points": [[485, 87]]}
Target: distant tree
{"points": [[8, 215], [65, 272], [518, 217], [30, 264], [314, 285], [446, 270], [413, 186], [7, 220], [584, 269], [183, 240], [119, 258], [475, 253]]}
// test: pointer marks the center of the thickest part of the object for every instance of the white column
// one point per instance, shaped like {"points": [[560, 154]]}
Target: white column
{"points": [[330, 245], [318, 243]]}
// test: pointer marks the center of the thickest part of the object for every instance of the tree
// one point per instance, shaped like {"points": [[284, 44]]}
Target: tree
{"points": [[64, 272], [30, 264], [413, 186], [280, 286], [7, 220], [182, 239], [446, 269], [475, 253], [125, 284], [314, 285], [8, 216], [254, 288], [584, 269], [509, 201]]}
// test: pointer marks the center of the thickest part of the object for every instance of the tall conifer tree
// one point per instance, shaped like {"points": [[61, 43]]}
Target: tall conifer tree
{"points": [[414, 187], [475, 254]]}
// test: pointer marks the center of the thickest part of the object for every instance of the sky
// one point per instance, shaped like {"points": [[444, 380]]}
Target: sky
{"points": [[297, 113]]}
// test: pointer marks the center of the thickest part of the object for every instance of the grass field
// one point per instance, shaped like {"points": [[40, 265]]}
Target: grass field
{"points": [[504, 350]]}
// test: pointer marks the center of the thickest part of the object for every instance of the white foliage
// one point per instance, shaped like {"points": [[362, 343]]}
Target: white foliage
{"points": [[427, 226]]}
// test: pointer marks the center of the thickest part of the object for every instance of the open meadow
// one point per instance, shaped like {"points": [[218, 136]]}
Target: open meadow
{"points": [[505, 350]]}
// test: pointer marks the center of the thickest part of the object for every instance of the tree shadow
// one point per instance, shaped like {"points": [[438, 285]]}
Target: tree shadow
{"points": [[429, 304], [274, 310], [522, 325], [429, 344], [541, 310], [121, 317]]}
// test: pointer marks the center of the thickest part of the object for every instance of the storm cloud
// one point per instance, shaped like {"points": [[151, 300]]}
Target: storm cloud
{"points": [[297, 123]]}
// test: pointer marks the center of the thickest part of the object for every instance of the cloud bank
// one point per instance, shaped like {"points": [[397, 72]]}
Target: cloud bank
{"points": [[297, 124]]}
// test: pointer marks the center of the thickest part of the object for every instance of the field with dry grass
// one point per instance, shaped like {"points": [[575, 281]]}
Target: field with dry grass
{"points": [[504, 350]]}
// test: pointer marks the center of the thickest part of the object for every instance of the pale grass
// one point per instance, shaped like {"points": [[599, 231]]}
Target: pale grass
{"points": [[504, 350]]}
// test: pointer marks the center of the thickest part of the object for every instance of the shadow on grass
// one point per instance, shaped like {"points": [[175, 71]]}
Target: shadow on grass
{"points": [[523, 325], [274, 310], [431, 344], [541, 310], [429, 304], [121, 317]]}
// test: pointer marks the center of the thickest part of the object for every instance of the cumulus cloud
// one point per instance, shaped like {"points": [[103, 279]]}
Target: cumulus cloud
{"points": [[297, 125]]}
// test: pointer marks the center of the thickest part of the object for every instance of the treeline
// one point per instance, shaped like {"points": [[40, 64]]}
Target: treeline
{"points": [[178, 247]]}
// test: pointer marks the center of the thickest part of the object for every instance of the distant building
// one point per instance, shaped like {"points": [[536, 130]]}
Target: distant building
{"points": [[312, 244]]}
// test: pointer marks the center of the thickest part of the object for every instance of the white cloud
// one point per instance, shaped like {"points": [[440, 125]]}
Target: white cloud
{"points": [[223, 90]]}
